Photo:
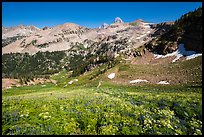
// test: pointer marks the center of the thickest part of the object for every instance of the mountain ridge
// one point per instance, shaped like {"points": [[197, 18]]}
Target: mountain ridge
{"points": [[69, 33]]}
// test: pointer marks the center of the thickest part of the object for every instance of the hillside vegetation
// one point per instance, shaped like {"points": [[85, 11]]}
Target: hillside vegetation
{"points": [[115, 107], [187, 29]]}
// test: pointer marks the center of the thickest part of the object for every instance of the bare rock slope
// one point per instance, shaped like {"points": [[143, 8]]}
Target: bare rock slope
{"points": [[11, 34], [118, 37]]}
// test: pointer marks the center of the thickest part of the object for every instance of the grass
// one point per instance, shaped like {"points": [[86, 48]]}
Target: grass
{"points": [[187, 72], [29, 89], [111, 109]]}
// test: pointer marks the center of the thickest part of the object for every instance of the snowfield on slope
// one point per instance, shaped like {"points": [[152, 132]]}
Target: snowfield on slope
{"points": [[180, 52], [138, 81], [163, 82]]}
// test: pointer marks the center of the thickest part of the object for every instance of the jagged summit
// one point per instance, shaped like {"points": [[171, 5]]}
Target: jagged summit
{"points": [[118, 20], [103, 26], [118, 36]]}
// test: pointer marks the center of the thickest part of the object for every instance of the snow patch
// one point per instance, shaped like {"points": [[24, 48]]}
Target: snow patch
{"points": [[180, 52], [163, 82], [137, 81], [70, 82], [193, 56], [111, 76]]}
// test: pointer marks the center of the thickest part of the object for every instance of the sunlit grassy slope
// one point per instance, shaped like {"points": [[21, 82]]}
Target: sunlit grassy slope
{"points": [[187, 72], [113, 108]]}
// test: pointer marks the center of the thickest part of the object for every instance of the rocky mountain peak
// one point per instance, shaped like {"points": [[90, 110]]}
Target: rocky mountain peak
{"points": [[118, 20], [103, 26]]}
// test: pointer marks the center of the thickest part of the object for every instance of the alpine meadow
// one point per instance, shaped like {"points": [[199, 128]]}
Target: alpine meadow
{"points": [[120, 78]]}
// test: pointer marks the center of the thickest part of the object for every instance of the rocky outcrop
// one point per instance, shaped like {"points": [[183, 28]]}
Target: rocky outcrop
{"points": [[103, 26]]}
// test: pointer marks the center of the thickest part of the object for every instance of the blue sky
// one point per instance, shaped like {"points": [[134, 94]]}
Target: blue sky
{"points": [[91, 14]]}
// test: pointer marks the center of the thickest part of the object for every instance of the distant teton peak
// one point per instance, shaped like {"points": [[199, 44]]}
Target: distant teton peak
{"points": [[118, 20]]}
